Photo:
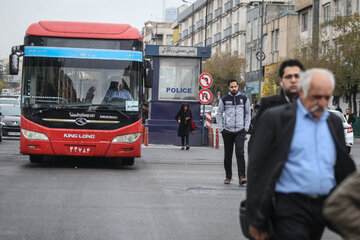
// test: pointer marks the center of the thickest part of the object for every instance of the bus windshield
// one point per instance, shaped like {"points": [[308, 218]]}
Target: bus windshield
{"points": [[68, 82]]}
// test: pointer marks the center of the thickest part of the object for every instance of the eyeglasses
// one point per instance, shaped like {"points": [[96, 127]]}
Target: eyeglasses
{"points": [[290, 76]]}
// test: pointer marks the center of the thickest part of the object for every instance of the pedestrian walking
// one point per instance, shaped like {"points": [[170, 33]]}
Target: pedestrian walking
{"points": [[289, 74], [349, 117], [342, 207], [233, 120], [183, 117], [300, 156]]}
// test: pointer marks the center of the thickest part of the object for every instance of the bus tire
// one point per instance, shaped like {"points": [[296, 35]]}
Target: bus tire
{"points": [[129, 161], [36, 158]]}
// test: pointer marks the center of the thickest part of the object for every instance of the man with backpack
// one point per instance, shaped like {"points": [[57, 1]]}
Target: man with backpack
{"points": [[233, 120]]}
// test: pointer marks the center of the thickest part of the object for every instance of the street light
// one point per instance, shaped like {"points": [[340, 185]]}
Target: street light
{"points": [[260, 55]]}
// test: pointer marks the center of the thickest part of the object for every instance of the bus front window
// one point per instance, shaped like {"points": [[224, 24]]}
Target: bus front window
{"points": [[79, 82]]}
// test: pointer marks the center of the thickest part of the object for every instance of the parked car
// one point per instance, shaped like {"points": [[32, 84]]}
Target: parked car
{"points": [[348, 130], [213, 114], [9, 101], [10, 120]]}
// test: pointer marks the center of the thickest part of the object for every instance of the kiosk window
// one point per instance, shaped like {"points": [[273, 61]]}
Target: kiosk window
{"points": [[179, 79]]}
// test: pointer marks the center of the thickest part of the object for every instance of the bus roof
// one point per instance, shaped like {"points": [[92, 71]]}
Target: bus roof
{"points": [[83, 30]]}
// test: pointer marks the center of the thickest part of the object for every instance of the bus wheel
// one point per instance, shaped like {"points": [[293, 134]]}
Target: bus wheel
{"points": [[128, 161], [36, 158]]}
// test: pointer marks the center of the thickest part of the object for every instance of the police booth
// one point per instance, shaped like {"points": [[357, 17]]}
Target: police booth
{"points": [[176, 73]]}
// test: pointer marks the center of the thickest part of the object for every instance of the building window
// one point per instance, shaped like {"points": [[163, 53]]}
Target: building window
{"points": [[169, 39], [348, 8], [338, 7], [327, 12], [357, 5], [265, 42], [305, 19], [275, 40]]}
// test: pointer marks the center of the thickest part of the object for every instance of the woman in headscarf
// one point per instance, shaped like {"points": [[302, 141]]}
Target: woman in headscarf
{"points": [[183, 117]]}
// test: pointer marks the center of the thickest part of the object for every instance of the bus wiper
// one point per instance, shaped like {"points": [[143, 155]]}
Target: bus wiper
{"points": [[48, 107], [112, 107]]}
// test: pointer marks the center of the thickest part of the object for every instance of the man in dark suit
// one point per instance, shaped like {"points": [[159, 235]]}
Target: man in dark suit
{"points": [[296, 161], [349, 117], [289, 73]]}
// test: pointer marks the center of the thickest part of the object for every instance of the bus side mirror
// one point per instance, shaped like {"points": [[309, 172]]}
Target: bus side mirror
{"points": [[14, 64], [148, 78], [148, 74], [16, 53]]}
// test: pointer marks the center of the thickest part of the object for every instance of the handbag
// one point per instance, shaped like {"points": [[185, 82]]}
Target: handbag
{"points": [[192, 126]]}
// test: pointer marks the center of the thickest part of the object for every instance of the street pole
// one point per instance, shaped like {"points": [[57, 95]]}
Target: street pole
{"points": [[260, 74]]}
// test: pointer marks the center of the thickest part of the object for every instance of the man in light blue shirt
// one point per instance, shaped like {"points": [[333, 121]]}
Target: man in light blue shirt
{"points": [[298, 157], [117, 90]]}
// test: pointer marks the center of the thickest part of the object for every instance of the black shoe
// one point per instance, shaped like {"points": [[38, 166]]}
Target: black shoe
{"points": [[182, 148], [187, 147]]}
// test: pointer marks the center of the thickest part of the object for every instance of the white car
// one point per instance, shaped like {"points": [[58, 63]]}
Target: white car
{"points": [[213, 114], [348, 130]]}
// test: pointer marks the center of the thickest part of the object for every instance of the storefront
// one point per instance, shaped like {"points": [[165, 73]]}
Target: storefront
{"points": [[176, 73]]}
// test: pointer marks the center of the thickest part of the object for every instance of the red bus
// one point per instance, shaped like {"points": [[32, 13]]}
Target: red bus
{"points": [[82, 90]]}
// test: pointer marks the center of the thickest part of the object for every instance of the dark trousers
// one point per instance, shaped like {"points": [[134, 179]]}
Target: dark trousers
{"points": [[231, 138], [298, 217], [187, 140]]}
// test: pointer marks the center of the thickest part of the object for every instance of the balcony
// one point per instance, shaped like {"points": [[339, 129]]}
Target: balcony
{"points": [[200, 23], [217, 37], [236, 28], [218, 12], [209, 41], [209, 17], [191, 29], [227, 32], [228, 6]]}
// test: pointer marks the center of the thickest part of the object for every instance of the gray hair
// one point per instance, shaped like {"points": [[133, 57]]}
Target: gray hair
{"points": [[305, 79]]}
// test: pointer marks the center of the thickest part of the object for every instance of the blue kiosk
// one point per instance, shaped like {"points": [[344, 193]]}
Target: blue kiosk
{"points": [[176, 73]]}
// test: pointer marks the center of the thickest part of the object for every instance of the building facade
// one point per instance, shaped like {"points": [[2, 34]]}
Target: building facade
{"points": [[278, 36], [219, 24], [157, 33]]}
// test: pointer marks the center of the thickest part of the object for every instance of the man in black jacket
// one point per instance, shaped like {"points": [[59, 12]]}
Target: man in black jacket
{"points": [[349, 117], [297, 159], [289, 73]]}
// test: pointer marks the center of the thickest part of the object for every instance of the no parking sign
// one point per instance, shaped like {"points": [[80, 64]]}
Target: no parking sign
{"points": [[205, 96], [205, 80]]}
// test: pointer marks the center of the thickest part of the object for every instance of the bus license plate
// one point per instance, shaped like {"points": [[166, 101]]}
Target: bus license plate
{"points": [[80, 150], [14, 133]]}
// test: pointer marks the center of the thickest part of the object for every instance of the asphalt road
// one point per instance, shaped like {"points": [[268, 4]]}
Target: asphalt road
{"points": [[167, 194]]}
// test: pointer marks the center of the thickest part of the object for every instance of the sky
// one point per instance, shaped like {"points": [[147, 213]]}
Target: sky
{"points": [[17, 15]]}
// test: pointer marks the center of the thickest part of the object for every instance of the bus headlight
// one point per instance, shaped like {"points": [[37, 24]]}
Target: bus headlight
{"points": [[129, 138], [33, 135]]}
